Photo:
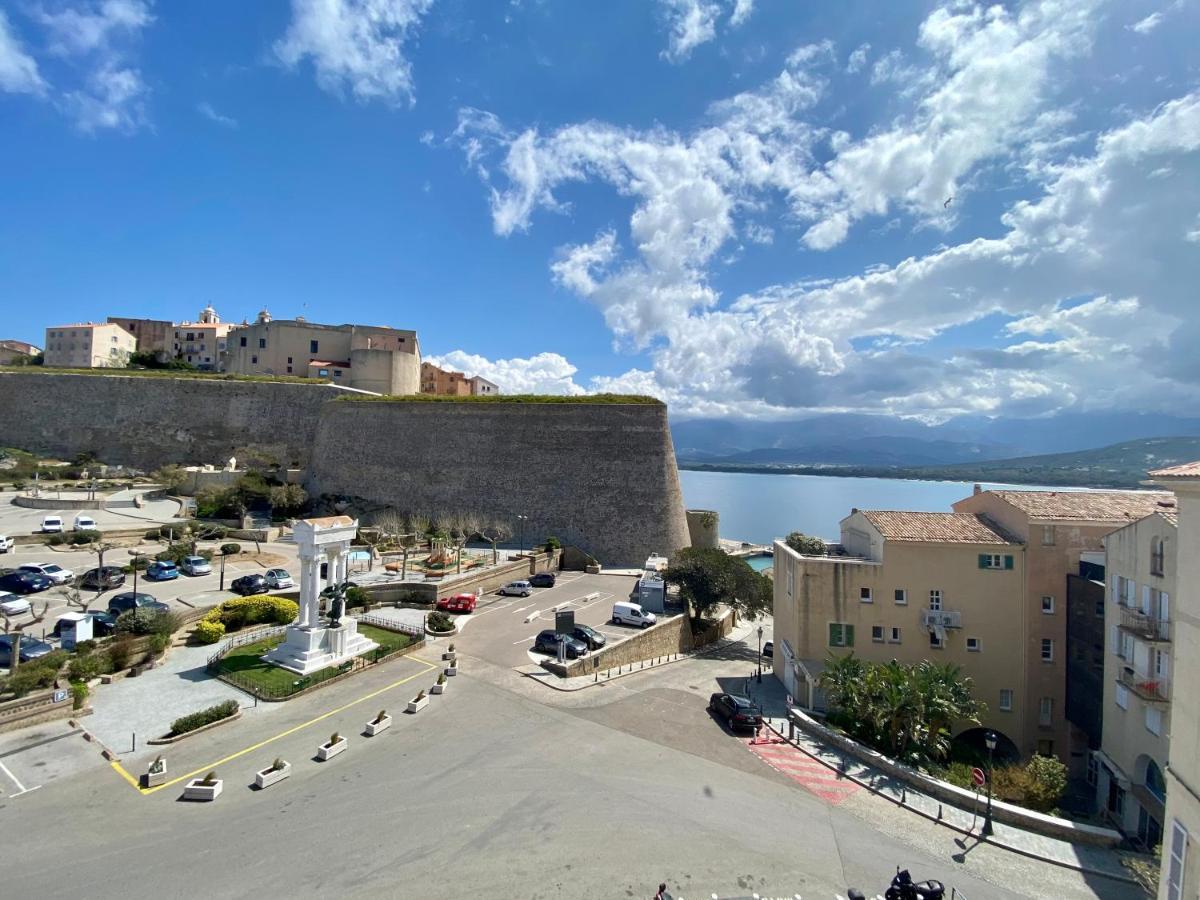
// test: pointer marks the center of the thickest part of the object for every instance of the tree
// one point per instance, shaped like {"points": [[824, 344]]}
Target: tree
{"points": [[16, 629], [806, 545], [288, 498], [171, 477], [462, 527], [495, 532], [708, 577], [420, 523]]}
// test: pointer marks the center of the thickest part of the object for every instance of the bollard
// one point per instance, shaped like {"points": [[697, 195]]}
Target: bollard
{"points": [[903, 795], [133, 741], [939, 815], [597, 678]]}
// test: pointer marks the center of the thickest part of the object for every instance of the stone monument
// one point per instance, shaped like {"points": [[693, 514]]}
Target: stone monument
{"points": [[311, 645]]}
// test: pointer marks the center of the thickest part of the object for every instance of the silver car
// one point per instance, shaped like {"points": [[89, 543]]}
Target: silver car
{"points": [[195, 565], [279, 579], [56, 573]]}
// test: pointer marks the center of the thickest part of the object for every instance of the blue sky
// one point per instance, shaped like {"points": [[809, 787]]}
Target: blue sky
{"points": [[736, 205]]}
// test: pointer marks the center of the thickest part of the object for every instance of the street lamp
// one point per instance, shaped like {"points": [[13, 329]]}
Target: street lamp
{"points": [[990, 740], [136, 557], [760, 631], [522, 520]]}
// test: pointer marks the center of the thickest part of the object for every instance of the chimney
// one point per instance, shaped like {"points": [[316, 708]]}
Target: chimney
{"points": [[978, 488], [853, 510]]}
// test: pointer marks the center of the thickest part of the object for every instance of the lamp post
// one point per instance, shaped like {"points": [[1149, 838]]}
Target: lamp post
{"points": [[990, 740], [760, 631], [222, 570], [136, 557], [522, 520]]}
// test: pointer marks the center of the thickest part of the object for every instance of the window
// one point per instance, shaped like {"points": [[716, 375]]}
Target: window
{"points": [[995, 561], [289, 369], [324, 373], [936, 641], [262, 343], [337, 373], [1126, 646], [1157, 554], [191, 336], [1048, 605], [1046, 748], [312, 346], [289, 360], [864, 594], [901, 597], [243, 342], [973, 645], [1047, 650], [1048, 535], [1154, 720], [895, 637], [1093, 770], [935, 600], [254, 360], [1099, 609], [1006, 696], [877, 633], [841, 634], [1046, 712], [1176, 861]]}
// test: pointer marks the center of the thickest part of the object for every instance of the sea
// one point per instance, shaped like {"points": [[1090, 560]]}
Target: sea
{"points": [[759, 508]]}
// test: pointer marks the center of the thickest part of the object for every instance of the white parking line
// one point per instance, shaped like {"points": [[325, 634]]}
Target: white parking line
{"points": [[20, 787]]}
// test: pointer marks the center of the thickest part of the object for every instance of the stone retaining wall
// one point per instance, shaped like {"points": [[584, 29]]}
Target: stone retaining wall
{"points": [[671, 635]]}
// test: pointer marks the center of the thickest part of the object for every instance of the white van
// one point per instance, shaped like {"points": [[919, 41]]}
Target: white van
{"points": [[516, 589], [625, 613], [52, 524], [85, 523], [6, 543]]}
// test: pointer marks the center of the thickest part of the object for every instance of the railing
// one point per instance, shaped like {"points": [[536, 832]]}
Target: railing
{"points": [[241, 639], [1156, 690], [1146, 627], [931, 618], [392, 625]]}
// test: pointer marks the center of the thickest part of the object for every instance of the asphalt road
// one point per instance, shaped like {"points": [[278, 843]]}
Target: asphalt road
{"points": [[21, 520]]}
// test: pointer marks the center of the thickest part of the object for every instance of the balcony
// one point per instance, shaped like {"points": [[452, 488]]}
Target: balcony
{"points": [[1146, 627], [1154, 690], [943, 618]]}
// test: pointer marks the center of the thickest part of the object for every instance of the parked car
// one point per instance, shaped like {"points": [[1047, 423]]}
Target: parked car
{"points": [[736, 710], [627, 613], [103, 623], [56, 573], [590, 636], [52, 524], [85, 523], [768, 649], [24, 583], [195, 565], [516, 589], [12, 605], [543, 579], [31, 648], [162, 570], [459, 603], [102, 579], [547, 642], [250, 584], [279, 579], [6, 543], [120, 603]]}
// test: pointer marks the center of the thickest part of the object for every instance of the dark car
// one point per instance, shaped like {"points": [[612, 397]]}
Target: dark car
{"points": [[24, 583], [102, 579], [103, 624], [120, 603], [31, 648], [768, 649], [736, 710], [249, 584], [590, 636], [547, 642], [543, 579]]}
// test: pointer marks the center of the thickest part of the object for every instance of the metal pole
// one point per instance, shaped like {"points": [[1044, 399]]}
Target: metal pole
{"points": [[760, 631], [987, 821], [222, 571]]}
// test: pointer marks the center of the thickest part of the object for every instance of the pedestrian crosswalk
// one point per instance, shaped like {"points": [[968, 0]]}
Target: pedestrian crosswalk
{"points": [[811, 775]]}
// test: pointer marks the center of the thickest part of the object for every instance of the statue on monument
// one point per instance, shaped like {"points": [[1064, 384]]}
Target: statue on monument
{"points": [[337, 604]]}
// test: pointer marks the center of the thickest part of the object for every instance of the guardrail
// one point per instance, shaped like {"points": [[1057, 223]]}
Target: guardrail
{"points": [[392, 625], [243, 638], [1154, 689], [1144, 626]]}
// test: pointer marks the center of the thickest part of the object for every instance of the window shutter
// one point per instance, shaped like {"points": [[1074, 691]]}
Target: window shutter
{"points": [[849, 630], [1008, 562], [835, 634], [983, 561]]}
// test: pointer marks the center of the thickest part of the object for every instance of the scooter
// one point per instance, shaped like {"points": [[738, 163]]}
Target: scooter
{"points": [[904, 888]]}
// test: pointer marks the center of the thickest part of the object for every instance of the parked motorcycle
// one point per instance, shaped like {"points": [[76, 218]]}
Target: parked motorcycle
{"points": [[904, 888]]}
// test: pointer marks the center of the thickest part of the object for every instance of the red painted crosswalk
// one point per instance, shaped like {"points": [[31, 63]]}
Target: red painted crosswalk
{"points": [[805, 771]]}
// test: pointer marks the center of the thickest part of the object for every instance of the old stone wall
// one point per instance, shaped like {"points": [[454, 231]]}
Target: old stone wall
{"points": [[599, 476]]}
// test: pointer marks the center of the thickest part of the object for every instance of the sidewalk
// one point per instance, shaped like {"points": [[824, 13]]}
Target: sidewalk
{"points": [[1084, 858]]}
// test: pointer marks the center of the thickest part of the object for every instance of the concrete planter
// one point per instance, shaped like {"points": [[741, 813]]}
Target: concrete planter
{"points": [[197, 790], [415, 706], [374, 728], [155, 778], [451, 670], [268, 777], [438, 689], [328, 751], [450, 655]]}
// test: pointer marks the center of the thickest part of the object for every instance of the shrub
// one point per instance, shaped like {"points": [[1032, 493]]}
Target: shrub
{"points": [[175, 552], [233, 614], [208, 631], [79, 694], [195, 720], [553, 543], [57, 540], [231, 549], [83, 537], [356, 597], [120, 651], [159, 642], [85, 647], [141, 563], [439, 621], [1047, 781], [147, 621], [803, 543], [87, 667]]}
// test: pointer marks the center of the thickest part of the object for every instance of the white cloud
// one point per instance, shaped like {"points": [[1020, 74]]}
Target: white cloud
{"points": [[87, 28], [1148, 24], [113, 98], [18, 70], [205, 109], [858, 59], [691, 23], [359, 45], [545, 373], [742, 10]]}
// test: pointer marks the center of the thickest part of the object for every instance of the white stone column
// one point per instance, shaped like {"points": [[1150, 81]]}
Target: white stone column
{"points": [[310, 589]]}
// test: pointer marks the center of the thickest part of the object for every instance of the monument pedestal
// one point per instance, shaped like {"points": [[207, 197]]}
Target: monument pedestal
{"points": [[309, 649]]}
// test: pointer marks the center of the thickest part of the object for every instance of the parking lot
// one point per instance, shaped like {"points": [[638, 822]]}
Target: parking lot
{"points": [[18, 520]]}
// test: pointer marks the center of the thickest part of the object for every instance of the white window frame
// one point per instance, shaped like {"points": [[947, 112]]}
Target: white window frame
{"points": [[865, 595], [995, 560], [1047, 609], [1154, 714], [1176, 861], [935, 600], [902, 599], [894, 635], [974, 645], [1048, 535], [1122, 697], [935, 642], [1006, 694], [1046, 712], [877, 634], [1047, 650]]}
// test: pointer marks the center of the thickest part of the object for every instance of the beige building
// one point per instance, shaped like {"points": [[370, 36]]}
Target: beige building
{"points": [[90, 345], [365, 357], [1060, 529], [12, 351], [1128, 769], [911, 586], [155, 336], [202, 343], [1180, 875], [444, 382]]}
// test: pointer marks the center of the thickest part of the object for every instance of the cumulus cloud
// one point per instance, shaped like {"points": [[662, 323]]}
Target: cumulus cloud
{"points": [[18, 70], [858, 59], [112, 98], [691, 23], [356, 45], [545, 373]]}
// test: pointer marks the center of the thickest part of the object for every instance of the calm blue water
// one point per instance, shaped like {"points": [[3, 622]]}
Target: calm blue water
{"points": [[760, 562], [760, 508]]}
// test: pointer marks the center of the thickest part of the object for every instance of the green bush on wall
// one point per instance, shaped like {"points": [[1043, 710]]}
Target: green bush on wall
{"points": [[209, 632]]}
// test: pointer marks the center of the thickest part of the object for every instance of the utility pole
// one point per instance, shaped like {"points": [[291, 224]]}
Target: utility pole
{"points": [[990, 740]]}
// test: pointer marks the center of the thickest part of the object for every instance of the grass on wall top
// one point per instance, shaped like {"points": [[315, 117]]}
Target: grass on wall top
{"points": [[159, 373], [597, 399]]}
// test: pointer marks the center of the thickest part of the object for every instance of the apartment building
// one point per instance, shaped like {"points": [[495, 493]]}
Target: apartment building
{"points": [[155, 336], [910, 586], [1127, 770], [444, 382], [12, 351], [481, 387], [1180, 875], [202, 343], [365, 357], [1063, 533], [88, 345]]}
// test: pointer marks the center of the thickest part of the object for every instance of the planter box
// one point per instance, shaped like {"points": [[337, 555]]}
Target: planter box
{"points": [[373, 728], [328, 751], [154, 779], [194, 790], [451, 671], [438, 689], [415, 706], [450, 655], [268, 777]]}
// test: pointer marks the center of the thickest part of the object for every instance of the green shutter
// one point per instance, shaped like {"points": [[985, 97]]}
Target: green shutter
{"points": [[1008, 562], [849, 629], [983, 560], [835, 634]]}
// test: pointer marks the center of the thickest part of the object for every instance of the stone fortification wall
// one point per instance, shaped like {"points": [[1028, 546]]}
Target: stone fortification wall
{"points": [[146, 421], [598, 475]]}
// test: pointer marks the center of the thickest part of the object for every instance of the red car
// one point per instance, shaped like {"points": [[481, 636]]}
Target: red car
{"points": [[459, 603]]}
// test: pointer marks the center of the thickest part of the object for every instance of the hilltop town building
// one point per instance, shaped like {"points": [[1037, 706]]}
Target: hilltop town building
{"points": [[364, 357], [448, 383], [89, 345], [155, 336], [13, 351], [201, 343]]}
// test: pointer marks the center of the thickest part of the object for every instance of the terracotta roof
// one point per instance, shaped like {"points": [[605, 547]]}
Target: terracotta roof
{"points": [[944, 528], [1186, 470], [1099, 506]]}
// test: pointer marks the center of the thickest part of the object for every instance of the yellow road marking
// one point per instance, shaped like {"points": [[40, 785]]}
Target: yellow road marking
{"points": [[220, 762]]}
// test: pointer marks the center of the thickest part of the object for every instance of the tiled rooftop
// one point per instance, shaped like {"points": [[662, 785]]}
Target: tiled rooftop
{"points": [[1186, 470], [1101, 506], [945, 528]]}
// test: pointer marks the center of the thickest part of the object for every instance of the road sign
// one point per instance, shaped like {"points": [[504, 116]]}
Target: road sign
{"points": [[60, 696], [564, 621], [978, 777]]}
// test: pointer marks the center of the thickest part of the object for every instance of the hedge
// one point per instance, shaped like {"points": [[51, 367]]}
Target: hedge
{"points": [[195, 720], [209, 632], [233, 614]]}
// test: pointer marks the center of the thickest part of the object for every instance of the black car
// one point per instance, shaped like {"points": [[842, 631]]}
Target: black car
{"points": [[543, 579], [102, 579], [249, 584], [24, 583], [547, 642], [121, 603], [31, 648], [590, 636], [103, 624], [736, 710], [768, 649]]}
